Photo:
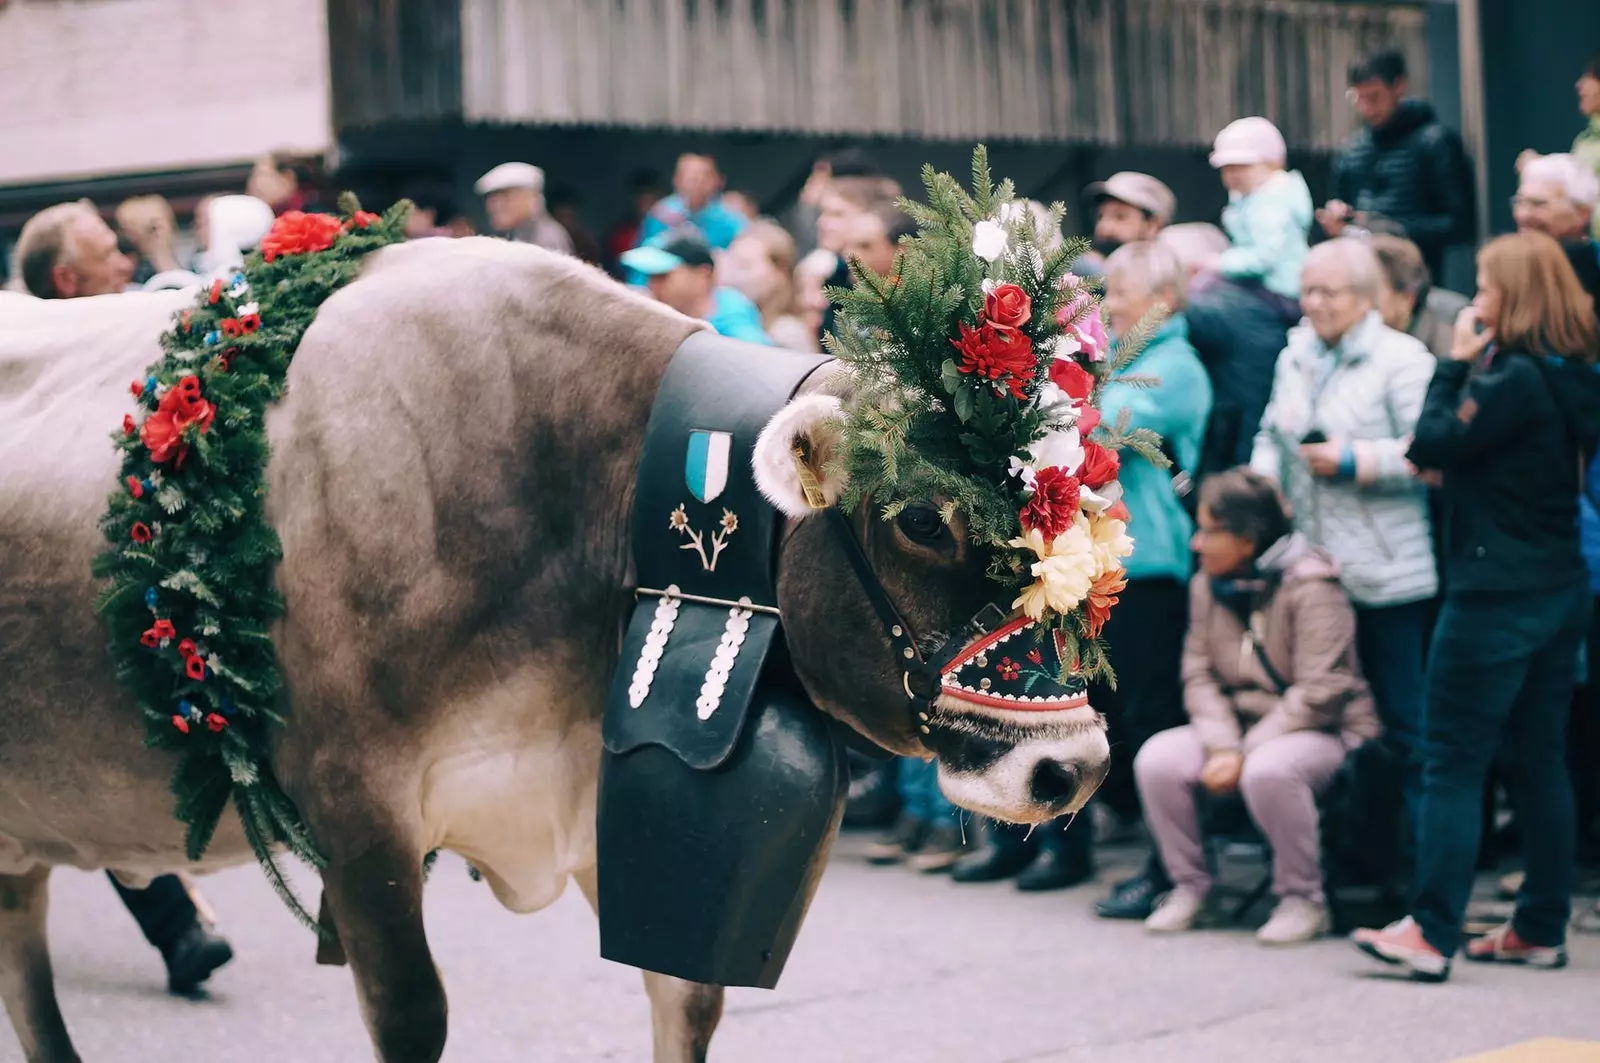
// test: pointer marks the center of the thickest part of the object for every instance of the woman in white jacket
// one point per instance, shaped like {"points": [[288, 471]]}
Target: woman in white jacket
{"points": [[1346, 395]]}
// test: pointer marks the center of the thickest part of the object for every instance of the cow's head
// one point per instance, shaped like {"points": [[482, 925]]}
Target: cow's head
{"points": [[1013, 756]]}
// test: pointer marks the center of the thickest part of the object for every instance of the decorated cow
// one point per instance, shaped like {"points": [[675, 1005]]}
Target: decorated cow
{"points": [[441, 545]]}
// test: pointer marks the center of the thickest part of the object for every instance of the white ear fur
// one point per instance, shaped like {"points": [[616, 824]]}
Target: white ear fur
{"points": [[777, 469]]}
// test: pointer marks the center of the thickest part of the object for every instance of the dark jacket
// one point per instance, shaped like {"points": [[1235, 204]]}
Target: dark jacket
{"points": [[1238, 337], [1585, 258], [1414, 171], [1510, 437]]}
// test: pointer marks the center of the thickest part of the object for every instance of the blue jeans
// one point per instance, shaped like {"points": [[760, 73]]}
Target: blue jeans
{"points": [[920, 795], [1392, 642], [1502, 668]]}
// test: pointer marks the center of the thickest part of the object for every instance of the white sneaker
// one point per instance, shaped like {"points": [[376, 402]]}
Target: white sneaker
{"points": [[1296, 919], [1177, 912]]}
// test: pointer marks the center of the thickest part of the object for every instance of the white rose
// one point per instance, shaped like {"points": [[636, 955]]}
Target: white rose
{"points": [[989, 240], [1011, 213]]}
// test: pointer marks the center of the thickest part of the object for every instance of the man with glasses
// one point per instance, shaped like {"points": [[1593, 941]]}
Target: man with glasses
{"points": [[1403, 165], [1557, 195]]}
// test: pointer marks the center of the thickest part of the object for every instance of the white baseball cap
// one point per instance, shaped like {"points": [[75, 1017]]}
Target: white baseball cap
{"points": [[1246, 141], [510, 175]]}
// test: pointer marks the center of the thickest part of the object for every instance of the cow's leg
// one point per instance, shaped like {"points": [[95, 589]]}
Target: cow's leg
{"points": [[375, 900], [683, 1015], [26, 983]]}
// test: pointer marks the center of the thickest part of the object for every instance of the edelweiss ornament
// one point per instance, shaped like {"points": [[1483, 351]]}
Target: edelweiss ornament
{"points": [[989, 240]]}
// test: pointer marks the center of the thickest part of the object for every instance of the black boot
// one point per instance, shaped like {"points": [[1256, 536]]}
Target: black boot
{"points": [[192, 958], [1136, 898], [1065, 857], [873, 800], [1003, 850]]}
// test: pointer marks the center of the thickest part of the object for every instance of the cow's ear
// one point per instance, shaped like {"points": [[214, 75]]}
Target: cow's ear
{"points": [[793, 452]]}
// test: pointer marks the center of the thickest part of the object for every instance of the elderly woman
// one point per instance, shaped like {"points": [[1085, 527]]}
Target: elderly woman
{"points": [[1510, 420], [1346, 395], [1275, 697], [1407, 299]]}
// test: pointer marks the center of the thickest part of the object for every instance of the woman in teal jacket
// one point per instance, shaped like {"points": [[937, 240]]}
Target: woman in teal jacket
{"points": [[1145, 632]]}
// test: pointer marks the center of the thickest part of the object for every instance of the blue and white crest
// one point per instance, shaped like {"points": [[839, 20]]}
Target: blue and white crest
{"points": [[705, 467]]}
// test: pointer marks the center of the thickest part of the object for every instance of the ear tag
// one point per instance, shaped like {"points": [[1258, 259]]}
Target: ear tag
{"points": [[809, 484]]}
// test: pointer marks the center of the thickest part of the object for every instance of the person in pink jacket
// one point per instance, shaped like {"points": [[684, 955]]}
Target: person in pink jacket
{"points": [[1275, 698]]}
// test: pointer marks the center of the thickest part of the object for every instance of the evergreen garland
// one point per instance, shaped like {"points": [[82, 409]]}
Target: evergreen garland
{"points": [[189, 599], [935, 420]]}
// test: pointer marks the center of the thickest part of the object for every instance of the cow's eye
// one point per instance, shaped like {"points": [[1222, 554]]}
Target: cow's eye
{"points": [[921, 523]]}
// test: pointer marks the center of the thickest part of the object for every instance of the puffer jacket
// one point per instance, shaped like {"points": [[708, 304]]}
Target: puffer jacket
{"points": [[1414, 171], [1367, 391], [1303, 624], [1268, 228]]}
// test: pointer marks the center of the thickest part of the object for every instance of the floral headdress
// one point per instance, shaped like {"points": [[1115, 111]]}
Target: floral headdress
{"points": [[980, 362]]}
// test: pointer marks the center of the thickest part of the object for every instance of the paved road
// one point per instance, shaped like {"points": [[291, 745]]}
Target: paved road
{"points": [[891, 967]]}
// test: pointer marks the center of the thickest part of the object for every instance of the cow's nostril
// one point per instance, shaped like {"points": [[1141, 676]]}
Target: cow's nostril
{"points": [[1054, 784]]}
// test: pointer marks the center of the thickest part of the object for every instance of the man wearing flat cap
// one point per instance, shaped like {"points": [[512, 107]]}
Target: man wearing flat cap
{"points": [[513, 196]]}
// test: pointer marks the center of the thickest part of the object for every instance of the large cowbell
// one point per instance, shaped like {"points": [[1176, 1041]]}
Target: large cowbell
{"points": [[721, 788]]}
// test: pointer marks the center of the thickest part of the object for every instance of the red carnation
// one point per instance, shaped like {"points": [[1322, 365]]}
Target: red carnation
{"points": [[298, 233], [136, 388], [1008, 306], [1072, 378], [1002, 355], [181, 724], [135, 488], [361, 219], [194, 668], [128, 425], [140, 532], [1054, 505], [187, 648], [216, 723], [1100, 466], [164, 629]]}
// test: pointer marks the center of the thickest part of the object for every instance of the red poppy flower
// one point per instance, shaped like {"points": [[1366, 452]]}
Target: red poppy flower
{"points": [[1100, 466], [1004, 356], [298, 233], [1072, 378], [1009, 669], [251, 322], [140, 532], [185, 319], [216, 293], [135, 488], [188, 388], [361, 219], [187, 648], [136, 388], [225, 359], [232, 326], [195, 668], [149, 640], [164, 629], [181, 724], [1054, 505], [128, 425], [216, 723]]}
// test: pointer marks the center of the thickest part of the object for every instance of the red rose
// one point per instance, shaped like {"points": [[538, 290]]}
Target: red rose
{"points": [[1002, 355], [128, 425], [187, 648], [1100, 466], [164, 629], [1054, 505], [136, 388], [181, 724], [1072, 378], [140, 532], [216, 723], [194, 668], [361, 219], [1088, 421], [1008, 306], [298, 233]]}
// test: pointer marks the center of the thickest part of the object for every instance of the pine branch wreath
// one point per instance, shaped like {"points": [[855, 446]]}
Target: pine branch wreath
{"points": [[979, 363], [189, 599]]}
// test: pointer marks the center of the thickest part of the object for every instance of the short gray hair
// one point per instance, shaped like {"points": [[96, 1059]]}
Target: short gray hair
{"points": [[1578, 181], [1356, 259], [1154, 266]]}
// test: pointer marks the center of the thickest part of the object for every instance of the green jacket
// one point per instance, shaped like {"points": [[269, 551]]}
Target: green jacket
{"points": [[1587, 148]]}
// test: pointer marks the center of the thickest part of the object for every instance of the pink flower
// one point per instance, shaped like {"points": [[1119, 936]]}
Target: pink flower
{"points": [[1088, 330]]}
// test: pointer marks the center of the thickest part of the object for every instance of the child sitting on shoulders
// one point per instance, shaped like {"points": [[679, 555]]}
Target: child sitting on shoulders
{"points": [[1268, 215]]}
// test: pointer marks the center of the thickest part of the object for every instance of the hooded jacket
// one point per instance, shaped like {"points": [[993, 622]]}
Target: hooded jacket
{"points": [[1510, 435], [1268, 229], [1414, 171], [1305, 627]]}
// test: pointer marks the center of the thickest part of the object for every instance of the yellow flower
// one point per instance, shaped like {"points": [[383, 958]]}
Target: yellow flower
{"points": [[1109, 542]]}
